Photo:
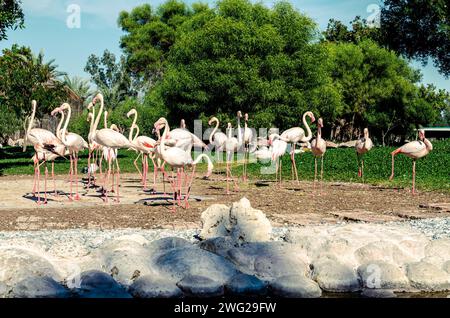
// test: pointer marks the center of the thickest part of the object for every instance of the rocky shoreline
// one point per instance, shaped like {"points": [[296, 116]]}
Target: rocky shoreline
{"points": [[237, 252]]}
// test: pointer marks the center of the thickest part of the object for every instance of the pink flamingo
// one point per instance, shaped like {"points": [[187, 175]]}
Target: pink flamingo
{"points": [[414, 150], [44, 143], [296, 134], [179, 159], [184, 139], [362, 146], [112, 139], [74, 143], [146, 147], [318, 149]]}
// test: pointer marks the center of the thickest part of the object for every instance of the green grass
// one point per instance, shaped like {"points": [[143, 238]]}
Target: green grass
{"points": [[433, 171]]}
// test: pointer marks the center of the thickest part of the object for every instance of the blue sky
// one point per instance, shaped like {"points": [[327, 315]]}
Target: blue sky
{"points": [[46, 28]]}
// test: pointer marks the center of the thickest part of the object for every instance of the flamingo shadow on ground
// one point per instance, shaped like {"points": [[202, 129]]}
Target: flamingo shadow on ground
{"points": [[31, 197]]}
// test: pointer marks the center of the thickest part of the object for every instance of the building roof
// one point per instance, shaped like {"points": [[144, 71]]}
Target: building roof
{"points": [[436, 128]]}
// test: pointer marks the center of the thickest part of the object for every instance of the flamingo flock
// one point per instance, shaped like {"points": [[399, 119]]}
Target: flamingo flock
{"points": [[173, 148]]}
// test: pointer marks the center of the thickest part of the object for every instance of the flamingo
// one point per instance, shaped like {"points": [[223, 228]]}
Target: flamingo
{"points": [[112, 139], [44, 143], [179, 159], [183, 124], [247, 138], [146, 146], [362, 146], [217, 138], [278, 146], [318, 149], [296, 134], [93, 147], [74, 144], [184, 139], [414, 150], [232, 145]]}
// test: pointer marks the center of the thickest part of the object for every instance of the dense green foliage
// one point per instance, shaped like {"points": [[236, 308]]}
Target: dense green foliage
{"points": [[23, 77], [418, 29], [200, 61], [339, 165], [11, 16]]}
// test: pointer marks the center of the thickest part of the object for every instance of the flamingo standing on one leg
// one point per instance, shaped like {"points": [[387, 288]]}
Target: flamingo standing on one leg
{"points": [[74, 143], [296, 134], [414, 150], [318, 149], [362, 146], [111, 139], [179, 159], [45, 142], [146, 146]]}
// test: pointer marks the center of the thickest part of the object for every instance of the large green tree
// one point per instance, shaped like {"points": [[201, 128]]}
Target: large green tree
{"points": [[238, 56], [418, 29], [23, 77], [111, 77], [11, 16]]}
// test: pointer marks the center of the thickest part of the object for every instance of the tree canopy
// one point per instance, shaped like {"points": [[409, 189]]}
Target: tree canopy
{"points": [[11, 16]]}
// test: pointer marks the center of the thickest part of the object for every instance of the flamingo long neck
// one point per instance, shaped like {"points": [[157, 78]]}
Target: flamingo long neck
{"points": [[366, 136], [137, 131], [308, 136], [66, 124], [319, 132], [92, 121], [229, 132], [33, 113], [133, 125], [163, 138], [105, 119], [214, 131], [99, 115], [58, 129], [239, 135], [428, 144]]}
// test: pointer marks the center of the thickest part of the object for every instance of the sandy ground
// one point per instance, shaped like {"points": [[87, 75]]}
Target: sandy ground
{"points": [[291, 205]]}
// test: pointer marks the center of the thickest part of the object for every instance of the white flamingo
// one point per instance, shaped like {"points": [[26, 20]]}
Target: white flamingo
{"points": [[217, 139], [74, 144], [232, 145], [362, 146], [44, 143], [414, 150], [146, 147], [297, 134], [178, 159], [112, 139]]}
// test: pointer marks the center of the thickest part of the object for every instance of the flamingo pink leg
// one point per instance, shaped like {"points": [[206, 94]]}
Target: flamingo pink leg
{"points": [[188, 192], [107, 173], [71, 178], [118, 180], [414, 178], [77, 195], [294, 164], [53, 178]]}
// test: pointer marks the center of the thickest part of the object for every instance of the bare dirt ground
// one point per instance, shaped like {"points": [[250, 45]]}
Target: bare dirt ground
{"points": [[291, 205]]}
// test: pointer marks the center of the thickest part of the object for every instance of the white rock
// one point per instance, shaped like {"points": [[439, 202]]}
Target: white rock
{"points": [[438, 251], [17, 264], [215, 221], [427, 277], [124, 259], [446, 266], [242, 222], [383, 251], [167, 243], [97, 284], [154, 287], [180, 262], [295, 286], [4, 290], [269, 260], [334, 276], [380, 274], [249, 224], [39, 287], [218, 245], [245, 285], [134, 238], [200, 286]]}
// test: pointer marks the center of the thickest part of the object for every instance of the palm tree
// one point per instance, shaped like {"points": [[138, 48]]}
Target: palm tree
{"points": [[79, 86]]}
